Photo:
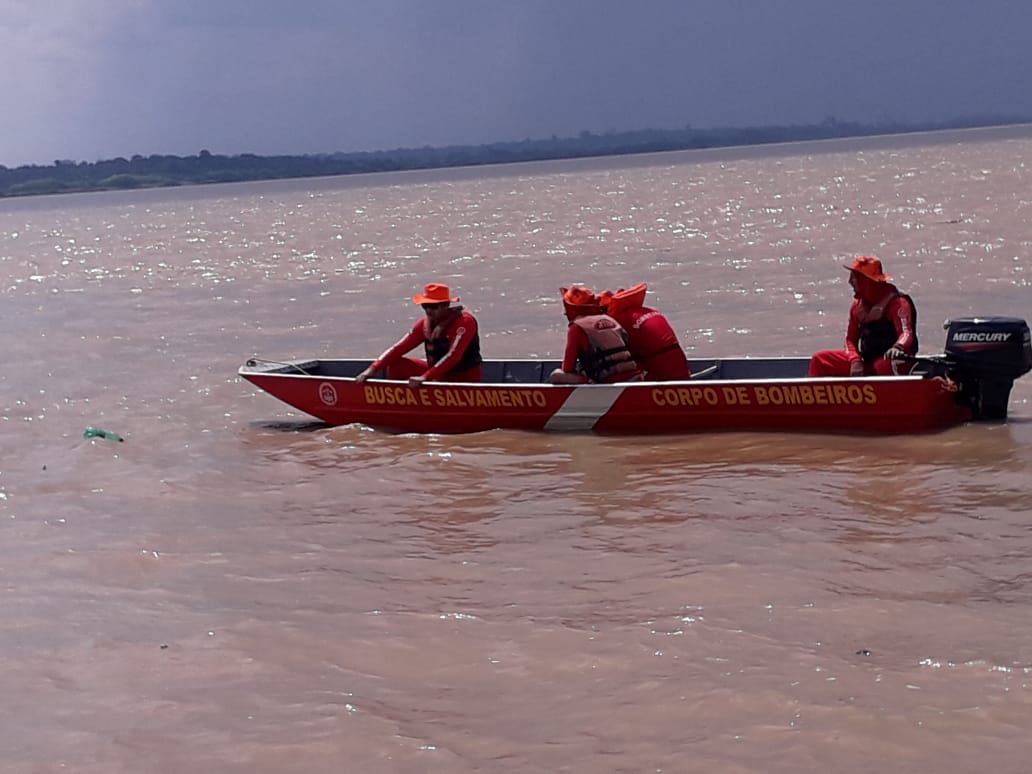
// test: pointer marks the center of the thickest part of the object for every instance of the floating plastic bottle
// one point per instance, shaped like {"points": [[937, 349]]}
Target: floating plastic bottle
{"points": [[97, 432]]}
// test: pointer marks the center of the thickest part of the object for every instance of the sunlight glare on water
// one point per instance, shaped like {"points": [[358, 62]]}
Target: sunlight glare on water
{"points": [[237, 587]]}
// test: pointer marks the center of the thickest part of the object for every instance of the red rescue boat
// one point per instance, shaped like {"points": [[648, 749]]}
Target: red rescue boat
{"points": [[971, 380]]}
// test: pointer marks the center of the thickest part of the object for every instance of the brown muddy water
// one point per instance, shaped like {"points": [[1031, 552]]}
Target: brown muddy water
{"points": [[236, 588]]}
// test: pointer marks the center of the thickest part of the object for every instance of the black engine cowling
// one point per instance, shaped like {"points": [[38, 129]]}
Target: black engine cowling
{"points": [[984, 355]]}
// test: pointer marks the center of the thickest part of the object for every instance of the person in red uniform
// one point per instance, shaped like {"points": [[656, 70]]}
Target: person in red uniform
{"points": [[596, 345], [449, 337], [651, 339], [882, 333]]}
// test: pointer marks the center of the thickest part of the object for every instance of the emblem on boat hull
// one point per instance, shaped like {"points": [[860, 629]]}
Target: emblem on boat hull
{"points": [[328, 394]]}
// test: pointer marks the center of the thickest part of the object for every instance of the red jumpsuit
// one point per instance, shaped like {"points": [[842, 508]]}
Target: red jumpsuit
{"points": [[452, 351], [653, 344], [892, 309]]}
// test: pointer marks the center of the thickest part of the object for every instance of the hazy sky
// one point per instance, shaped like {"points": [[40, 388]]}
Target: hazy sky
{"points": [[95, 79]]}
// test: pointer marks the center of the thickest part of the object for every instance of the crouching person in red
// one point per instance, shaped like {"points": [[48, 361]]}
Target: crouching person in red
{"points": [[650, 337], [596, 345], [881, 336], [450, 341]]}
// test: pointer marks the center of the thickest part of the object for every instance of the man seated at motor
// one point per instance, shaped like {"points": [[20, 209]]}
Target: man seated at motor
{"points": [[651, 339], [596, 345], [881, 337], [449, 337]]}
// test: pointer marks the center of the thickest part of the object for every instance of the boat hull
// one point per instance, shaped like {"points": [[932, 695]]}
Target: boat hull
{"points": [[519, 400]]}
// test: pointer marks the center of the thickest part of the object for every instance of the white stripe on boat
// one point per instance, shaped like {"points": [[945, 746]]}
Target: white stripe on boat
{"points": [[583, 408]]}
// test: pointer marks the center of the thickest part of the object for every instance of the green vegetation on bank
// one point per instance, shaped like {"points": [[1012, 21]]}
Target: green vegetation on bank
{"points": [[153, 171]]}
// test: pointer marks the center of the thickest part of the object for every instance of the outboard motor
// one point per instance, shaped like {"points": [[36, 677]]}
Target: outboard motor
{"points": [[984, 355]]}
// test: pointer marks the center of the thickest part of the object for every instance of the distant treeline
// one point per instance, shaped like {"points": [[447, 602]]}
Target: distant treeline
{"points": [[65, 176]]}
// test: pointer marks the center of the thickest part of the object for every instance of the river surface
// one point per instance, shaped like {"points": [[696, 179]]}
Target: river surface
{"points": [[236, 588]]}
